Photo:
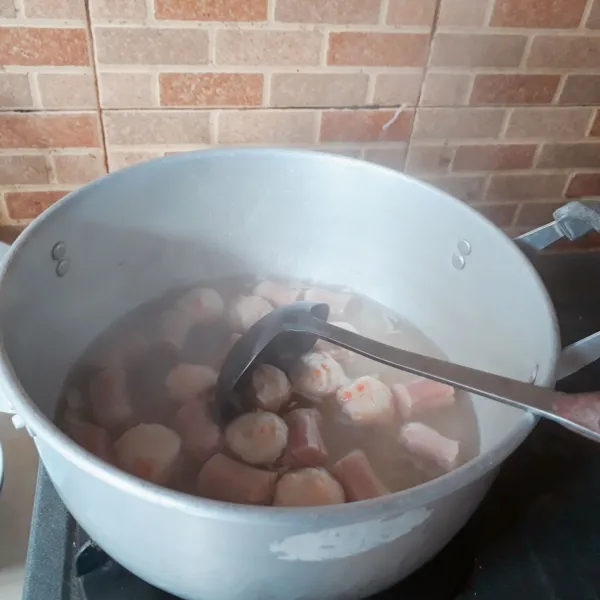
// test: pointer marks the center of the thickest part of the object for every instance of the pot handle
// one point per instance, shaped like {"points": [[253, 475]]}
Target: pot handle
{"points": [[571, 221], [5, 406]]}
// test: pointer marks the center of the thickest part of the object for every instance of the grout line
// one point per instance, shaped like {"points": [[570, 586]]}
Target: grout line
{"points": [[155, 89], [212, 48], [94, 61], [36, 93], [505, 122], [559, 89], [383, 11], [517, 214], [213, 127], [488, 14], [590, 126], [324, 51], [317, 127], [266, 100], [526, 51], [587, 11], [271, 11], [150, 12], [485, 188], [537, 155], [568, 183], [371, 89], [52, 165]]}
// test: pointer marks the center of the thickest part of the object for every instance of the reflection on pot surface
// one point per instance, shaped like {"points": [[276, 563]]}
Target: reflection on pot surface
{"points": [[334, 428]]}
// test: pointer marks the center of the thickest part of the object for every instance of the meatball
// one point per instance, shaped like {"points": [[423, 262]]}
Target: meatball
{"points": [[308, 487], [175, 326], [270, 387], [366, 400], [200, 435], [149, 451], [245, 311], [277, 294], [93, 438], [317, 375], [204, 305], [188, 382], [257, 438], [225, 479]]}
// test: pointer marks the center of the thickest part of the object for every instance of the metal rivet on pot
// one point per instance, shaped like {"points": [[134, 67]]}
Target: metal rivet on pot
{"points": [[62, 267], [458, 261], [59, 251], [464, 247]]}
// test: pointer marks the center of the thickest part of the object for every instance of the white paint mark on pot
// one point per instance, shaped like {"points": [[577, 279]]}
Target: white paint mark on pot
{"points": [[341, 542]]}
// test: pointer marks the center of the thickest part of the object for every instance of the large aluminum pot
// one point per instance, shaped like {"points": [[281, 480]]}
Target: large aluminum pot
{"points": [[130, 236]]}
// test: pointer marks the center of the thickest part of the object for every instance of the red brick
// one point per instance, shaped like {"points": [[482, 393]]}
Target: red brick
{"points": [[514, 89], [211, 89], [463, 13], [584, 184], [565, 52], [581, 89], [55, 9], [593, 21], [458, 123], [78, 168], [595, 131], [378, 49], [16, 169], [494, 158], [512, 186], [468, 188], [562, 156], [553, 14], [28, 205], [211, 10], [536, 214], [429, 159], [344, 12], [394, 158], [411, 12], [43, 130], [501, 215], [365, 126], [43, 46]]}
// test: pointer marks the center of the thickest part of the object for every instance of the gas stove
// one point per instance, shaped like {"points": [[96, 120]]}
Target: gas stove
{"points": [[536, 536]]}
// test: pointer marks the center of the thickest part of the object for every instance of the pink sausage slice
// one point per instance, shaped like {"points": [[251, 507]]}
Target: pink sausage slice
{"points": [[225, 479], [366, 401], [424, 442], [111, 405], [93, 438], [200, 435], [277, 294], [306, 447], [308, 487], [421, 395], [356, 474]]}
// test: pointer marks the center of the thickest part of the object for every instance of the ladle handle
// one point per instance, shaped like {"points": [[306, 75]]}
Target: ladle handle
{"points": [[538, 400]]}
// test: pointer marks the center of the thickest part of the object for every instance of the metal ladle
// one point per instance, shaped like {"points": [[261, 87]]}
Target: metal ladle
{"points": [[288, 332]]}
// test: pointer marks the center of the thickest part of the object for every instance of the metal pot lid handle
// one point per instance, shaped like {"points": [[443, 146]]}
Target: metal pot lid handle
{"points": [[571, 221]]}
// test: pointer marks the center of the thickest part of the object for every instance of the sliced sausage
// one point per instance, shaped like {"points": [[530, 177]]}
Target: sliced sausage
{"points": [[317, 375], [306, 447], [337, 301], [223, 478], [308, 487], [270, 387], [424, 442], [149, 451], [111, 405], [200, 435], [93, 438], [356, 474], [204, 305], [366, 400], [277, 294], [187, 382], [245, 311], [258, 438], [175, 326], [421, 395]]}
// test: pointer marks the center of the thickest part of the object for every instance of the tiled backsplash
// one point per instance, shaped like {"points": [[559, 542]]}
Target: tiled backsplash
{"points": [[495, 101]]}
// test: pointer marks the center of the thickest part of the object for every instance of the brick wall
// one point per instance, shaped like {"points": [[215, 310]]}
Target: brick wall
{"points": [[495, 101]]}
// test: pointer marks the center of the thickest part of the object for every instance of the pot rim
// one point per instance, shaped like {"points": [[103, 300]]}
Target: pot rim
{"points": [[40, 426]]}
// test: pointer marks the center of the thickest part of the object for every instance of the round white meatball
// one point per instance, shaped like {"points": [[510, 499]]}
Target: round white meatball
{"points": [[271, 387], [308, 487], [257, 438], [205, 305], [317, 375], [188, 382], [366, 400], [245, 311], [149, 451]]}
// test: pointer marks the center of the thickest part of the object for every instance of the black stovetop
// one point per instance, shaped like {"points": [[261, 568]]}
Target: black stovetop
{"points": [[536, 536]]}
